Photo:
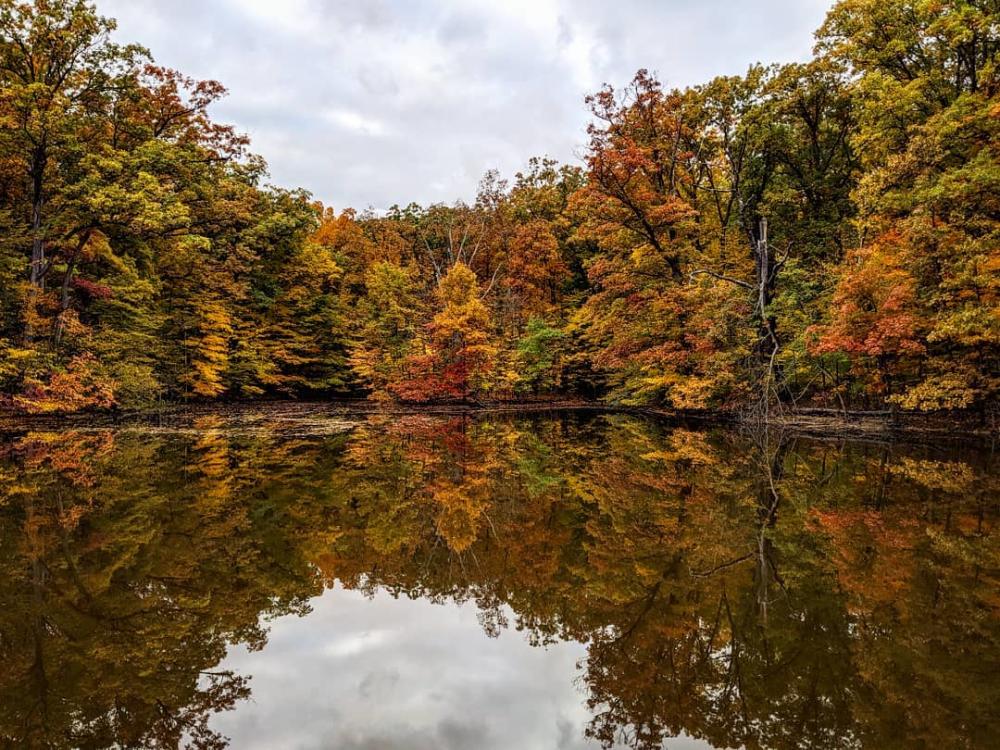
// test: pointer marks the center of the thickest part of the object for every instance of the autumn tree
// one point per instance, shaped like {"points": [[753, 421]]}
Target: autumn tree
{"points": [[926, 89], [458, 356], [814, 233], [391, 309]]}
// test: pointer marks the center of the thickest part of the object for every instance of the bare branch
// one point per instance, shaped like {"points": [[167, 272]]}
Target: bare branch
{"points": [[493, 280], [720, 277], [479, 239], [434, 263]]}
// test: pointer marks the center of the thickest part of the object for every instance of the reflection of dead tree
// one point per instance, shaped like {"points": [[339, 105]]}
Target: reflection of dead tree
{"points": [[721, 566], [770, 449], [39, 627], [719, 659], [734, 677]]}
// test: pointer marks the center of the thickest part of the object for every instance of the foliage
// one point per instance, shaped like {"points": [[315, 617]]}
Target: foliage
{"points": [[458, 358], [819, 232]]}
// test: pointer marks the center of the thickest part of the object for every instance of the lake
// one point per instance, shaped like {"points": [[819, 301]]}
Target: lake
{"points": [[311, 577]]}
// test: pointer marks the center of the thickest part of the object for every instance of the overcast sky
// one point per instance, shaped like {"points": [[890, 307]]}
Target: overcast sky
{"points": [[375, 102]]}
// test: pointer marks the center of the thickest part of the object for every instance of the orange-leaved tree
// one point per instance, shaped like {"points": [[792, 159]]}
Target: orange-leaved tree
{"points": [[874, 315]]}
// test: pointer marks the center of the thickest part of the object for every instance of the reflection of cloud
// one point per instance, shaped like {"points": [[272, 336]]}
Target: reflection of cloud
{"points": [[449, 89], [355, 643], [408, 675], [378, 684]]}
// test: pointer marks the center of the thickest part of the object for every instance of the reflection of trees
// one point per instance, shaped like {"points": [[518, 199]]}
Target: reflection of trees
{"points": [[800, 672], [695, 567], [763, 592], [126, 573]]}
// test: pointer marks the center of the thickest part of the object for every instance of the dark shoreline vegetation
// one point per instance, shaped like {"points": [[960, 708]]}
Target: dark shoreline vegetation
{"points": [[274, 416], [814, 236]]}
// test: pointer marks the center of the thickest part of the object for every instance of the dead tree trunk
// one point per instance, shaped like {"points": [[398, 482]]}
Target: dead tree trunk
{"points": [[767, 266]]}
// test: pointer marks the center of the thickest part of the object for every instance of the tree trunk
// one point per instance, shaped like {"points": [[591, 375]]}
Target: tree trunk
{"points": [[767, 326], [766, 273], [36, 269], [67, 279], [38, 160]]}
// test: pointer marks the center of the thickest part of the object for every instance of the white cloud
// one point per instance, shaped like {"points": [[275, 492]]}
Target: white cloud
{"points": [[354, 121], [381, 102]]}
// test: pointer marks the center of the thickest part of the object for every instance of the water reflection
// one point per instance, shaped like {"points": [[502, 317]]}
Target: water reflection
{"points": [[355, 674], [765, 593]]}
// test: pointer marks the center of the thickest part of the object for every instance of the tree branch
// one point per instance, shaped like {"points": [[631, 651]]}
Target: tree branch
{"points": [[720, 277]]}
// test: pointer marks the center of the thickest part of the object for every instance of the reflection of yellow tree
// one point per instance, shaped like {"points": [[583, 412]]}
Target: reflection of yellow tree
{"points": [[428, 469], [124, 579], [458, 482], [458, 519]]}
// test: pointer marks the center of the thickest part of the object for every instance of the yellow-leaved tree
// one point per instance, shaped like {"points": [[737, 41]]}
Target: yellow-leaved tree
{"points": [[459, 354]]}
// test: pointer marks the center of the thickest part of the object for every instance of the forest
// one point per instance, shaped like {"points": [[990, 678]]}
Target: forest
{"points": [[820, 234]]}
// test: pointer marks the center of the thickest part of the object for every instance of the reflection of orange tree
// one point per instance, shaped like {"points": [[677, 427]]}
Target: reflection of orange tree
{"points": [[459, 487], [450, 508], [920, 579], [434, 467]]}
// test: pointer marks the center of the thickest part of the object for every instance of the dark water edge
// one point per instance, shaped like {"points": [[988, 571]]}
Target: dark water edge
{"points": [[322, 575], [974, 427]]}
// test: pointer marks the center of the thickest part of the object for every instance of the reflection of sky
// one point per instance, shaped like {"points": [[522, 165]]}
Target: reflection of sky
{"points": [[360, 674]]}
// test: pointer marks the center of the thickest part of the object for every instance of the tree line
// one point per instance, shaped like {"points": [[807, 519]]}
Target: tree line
{"points": [[821, 233]]}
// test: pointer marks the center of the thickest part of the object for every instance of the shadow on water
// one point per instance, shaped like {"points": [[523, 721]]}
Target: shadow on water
{"points": [[746, 590]]}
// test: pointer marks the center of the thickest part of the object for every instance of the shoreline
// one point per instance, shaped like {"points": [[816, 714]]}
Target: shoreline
{"points": [[829, 423]]}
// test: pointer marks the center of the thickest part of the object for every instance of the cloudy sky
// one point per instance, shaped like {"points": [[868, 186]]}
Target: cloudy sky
{"points": [[375, 102]]}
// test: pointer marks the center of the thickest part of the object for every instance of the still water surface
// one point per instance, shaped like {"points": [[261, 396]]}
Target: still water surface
{"points": [[309, 578]]}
